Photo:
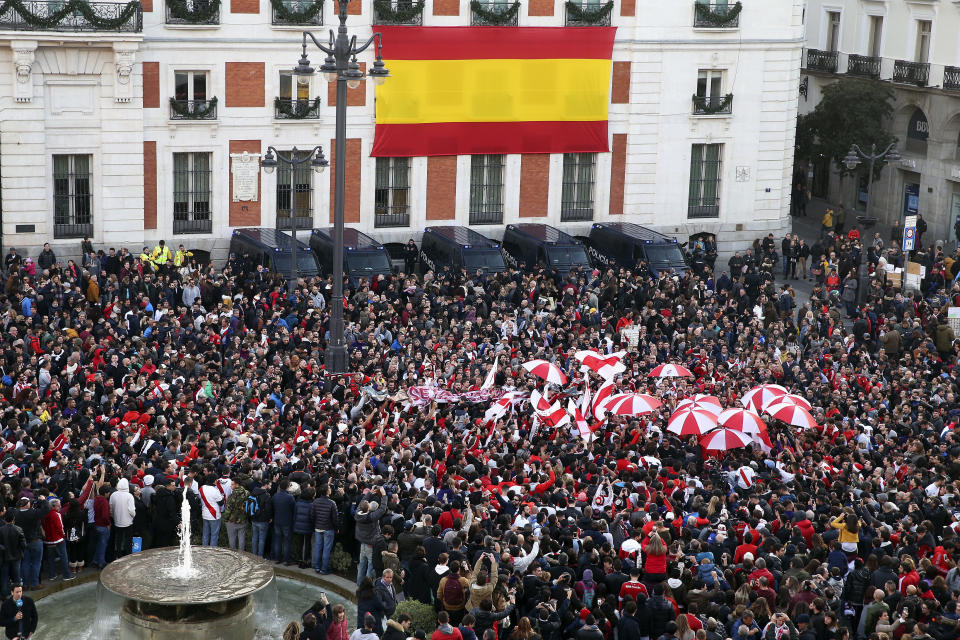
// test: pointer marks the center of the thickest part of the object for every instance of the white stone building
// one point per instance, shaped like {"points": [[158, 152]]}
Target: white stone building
{"points": [[100, 134], [913, 48]]}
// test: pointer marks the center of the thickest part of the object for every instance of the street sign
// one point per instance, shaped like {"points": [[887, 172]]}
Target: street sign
{"points": [[909, 233]]}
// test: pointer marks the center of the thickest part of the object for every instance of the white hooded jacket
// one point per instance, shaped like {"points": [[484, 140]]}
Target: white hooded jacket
{"points": [[122, 506]]}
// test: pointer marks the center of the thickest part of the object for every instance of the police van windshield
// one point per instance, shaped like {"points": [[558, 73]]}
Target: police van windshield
{"points": [[305, 263], [664, 254], [372, 262], [567, 256], [489, 259]]}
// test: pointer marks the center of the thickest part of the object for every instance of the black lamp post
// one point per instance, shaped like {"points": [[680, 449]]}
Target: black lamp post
{"points": [[852, 160], [340, 66], [270, 162]]}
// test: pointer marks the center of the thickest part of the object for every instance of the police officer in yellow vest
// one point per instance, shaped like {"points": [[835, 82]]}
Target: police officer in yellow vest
{"points": [[161, 256], [146, 260], [180, 257]]}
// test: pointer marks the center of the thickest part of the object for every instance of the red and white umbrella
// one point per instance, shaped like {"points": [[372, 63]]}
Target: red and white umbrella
{"points": [[790, 398], [792, 414], [546, 370], [630, 404], [691, 422], [724, 439], [742, 420], [702, 402], [670, 371], [761, 395]]}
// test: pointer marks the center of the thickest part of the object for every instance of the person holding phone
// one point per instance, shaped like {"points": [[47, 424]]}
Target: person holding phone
{"points": [[18, 615]]}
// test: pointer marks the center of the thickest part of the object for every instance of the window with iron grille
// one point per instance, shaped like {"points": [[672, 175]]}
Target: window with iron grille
{"points": [[191, 192], [486, 189], [576, 200], [705, 164], [72, 204], [295, 193], [392, 197]]}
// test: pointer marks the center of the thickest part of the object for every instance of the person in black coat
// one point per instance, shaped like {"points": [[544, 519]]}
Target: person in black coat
{"points": [[628, 628], [18, 615], [661, 612], [417, 586]]}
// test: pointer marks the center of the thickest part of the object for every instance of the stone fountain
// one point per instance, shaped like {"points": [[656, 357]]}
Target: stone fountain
{"points": [[186, 593]]}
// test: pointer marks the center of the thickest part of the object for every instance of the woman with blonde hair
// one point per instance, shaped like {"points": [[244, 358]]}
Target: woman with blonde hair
{"points": [[684, 632], [292, 632], [761, 611], [523, 630], [655, 560]]}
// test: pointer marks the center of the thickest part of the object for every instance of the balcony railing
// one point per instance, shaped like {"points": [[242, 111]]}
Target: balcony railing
{"points": [[195, 12], [818, 60], [396, 216], [297, 12], [951, 78], [588, 14], [865, 66], [193, 226], [304, 223], [193, 109], [575, 213], [74, 15], [907, 72], [296, 109], [716, 15], [713, 105], [409, 12], [83, 230], [703, 211], [499, 14]]}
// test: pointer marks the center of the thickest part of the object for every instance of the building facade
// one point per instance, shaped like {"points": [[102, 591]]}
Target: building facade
{"points": [[133, 133], [911, 46]]}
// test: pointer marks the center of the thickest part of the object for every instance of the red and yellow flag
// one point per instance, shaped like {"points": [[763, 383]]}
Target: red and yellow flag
{"points": [[467, 90]]}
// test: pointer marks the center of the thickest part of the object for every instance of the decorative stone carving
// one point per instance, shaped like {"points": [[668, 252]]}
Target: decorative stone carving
{"points": [[24, 55], [124, 59]]}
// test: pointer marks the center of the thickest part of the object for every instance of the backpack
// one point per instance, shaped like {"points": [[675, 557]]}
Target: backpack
{"points": [[453, 592], [251, 506], [588, 596]]}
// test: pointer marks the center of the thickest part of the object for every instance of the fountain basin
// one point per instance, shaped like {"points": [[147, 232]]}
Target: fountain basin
{"points": [[162, 602]]}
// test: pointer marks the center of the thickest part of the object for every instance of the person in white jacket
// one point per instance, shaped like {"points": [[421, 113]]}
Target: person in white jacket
{"points": [[122, 510], [211, 503]]}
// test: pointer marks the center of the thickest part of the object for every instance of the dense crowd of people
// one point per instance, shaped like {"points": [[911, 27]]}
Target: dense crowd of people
{"points": [[129, 380]]}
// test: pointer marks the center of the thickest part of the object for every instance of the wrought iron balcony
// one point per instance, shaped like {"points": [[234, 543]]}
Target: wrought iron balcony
{"points": [[864, 66], [716, 15], [395, 216], [409, 12], [297, 12], [304, 223], [193, 226], [195, 12], [713, 105], [703, 211], [588, 14], [907, 72], [951, 78], [500, 14], [193, 109], [74, 15], [82, 230], [818, 60], [296, 109]]}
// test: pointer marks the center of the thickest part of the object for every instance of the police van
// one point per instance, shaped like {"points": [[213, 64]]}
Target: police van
{"points": [[363, 257], [529, 245], [270, 249], [460, 248], [624, 245]]}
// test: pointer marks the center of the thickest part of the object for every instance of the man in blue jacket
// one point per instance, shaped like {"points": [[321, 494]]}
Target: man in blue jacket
{"points": [[283, 510]]}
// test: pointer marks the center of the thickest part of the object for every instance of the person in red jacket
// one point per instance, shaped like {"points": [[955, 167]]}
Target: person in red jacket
{"points": [[908, 575], [655, 560], [55, 543], [445, 631]]}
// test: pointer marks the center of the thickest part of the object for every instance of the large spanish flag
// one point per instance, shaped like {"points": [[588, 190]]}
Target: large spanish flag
{"points": [[466, 90]]}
